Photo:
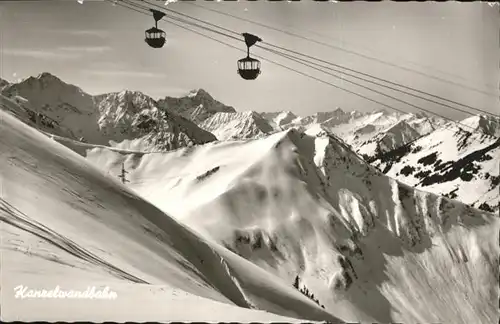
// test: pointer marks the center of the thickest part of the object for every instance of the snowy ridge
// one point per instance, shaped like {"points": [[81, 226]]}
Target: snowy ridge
{"points": [[197, 106], [305, 204], [92, 230], [451, 162], [241, 125]]}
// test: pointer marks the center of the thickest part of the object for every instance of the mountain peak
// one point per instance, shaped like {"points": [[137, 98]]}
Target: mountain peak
{"points": [[131, 94], [45, 81], [200, 94], [197, 105], [47, 78], [47, 75], [339, 111]]}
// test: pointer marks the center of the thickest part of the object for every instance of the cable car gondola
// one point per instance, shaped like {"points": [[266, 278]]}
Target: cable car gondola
{"points": [[248, 67], [156, 37]]}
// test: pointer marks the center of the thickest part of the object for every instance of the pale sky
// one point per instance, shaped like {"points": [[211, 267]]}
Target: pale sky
{"points": [[100, 48]]}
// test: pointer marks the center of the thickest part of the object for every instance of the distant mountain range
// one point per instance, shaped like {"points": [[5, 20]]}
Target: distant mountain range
{"points": [[395, 143], [106, 118]]}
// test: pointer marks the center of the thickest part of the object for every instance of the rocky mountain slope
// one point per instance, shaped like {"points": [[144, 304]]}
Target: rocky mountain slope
{"points": [[451, 161], [197, 106], [108, 118], [135, 117]]}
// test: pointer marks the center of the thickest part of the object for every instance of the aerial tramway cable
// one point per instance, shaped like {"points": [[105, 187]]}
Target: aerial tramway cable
{"points": [[284, 66], [345, 50], [333, 64], [271, 61]]}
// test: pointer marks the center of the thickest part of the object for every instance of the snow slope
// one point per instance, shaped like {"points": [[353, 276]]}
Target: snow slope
{"points": [[452, 162], [65, 223], [369, 248], [241, 125], [197, 106]]}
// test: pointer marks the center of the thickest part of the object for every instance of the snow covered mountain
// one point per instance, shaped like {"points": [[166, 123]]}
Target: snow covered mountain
{"points": [[127, 116], [67, 104], [72, 228], [367, 133], [131, 120], [380, 137], [488, 125], [305, 206], [241, 125], [453, 162], [197, 106], [281, 119], [388, 139]]}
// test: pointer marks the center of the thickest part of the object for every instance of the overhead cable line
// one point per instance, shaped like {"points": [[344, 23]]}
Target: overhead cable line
{"points": [[325, 67], [393, 83], [266, 59], [370, 81], [342, 49], [379, 92], [292, 58], [339, 66], [307, 75], [286, 67]]}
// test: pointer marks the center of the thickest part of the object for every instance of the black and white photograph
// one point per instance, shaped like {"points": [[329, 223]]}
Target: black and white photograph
{"points": [[249, 161]]}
